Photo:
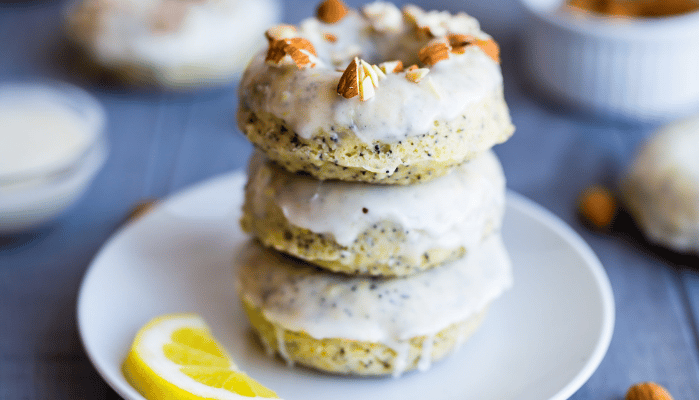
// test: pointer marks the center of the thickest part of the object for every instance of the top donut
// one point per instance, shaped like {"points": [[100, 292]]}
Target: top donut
{"points": [[376, 95]]}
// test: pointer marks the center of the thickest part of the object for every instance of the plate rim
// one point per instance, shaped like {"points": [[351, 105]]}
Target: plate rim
{"points": [[517, 201]]}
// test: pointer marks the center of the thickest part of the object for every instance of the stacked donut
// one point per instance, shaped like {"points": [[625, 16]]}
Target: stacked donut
{"points": [[373, 195]]}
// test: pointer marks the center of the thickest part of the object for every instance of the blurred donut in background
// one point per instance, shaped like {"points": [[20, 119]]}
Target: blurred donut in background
{"points": [[170, 43], [660, 188]]}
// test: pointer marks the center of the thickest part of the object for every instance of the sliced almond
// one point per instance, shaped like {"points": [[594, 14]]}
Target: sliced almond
{"points": [[389, 67], [367, 70], [434, 52], [366, 89], [359, 79], [379, 72], [331, 11], [298, 51], [280, 32], [416, 74]]}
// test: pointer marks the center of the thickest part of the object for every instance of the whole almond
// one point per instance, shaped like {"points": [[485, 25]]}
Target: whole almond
{"points": [[598, 207], [349, 86], [360, 78], [647, 391], [331, 11]]}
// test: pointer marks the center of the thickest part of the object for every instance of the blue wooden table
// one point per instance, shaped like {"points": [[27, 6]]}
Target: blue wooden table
{"points": [[163, 142]]}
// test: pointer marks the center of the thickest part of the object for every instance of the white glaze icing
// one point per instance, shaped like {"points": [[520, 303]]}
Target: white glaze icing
{"points": [[214, 39], [426, 356], [445, 212], [282, 346], [661, 186], [299, 297], [399, 109], [402, 349], [39, 135]]}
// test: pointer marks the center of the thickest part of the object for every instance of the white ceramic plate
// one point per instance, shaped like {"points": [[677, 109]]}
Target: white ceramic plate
{"points": [[541, 340]]}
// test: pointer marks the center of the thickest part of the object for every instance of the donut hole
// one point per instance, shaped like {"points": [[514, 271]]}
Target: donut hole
{"points": [[352, 37]]}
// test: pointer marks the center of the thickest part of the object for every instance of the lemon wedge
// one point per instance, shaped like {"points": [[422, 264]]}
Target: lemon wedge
{"points": [[175, 357]]}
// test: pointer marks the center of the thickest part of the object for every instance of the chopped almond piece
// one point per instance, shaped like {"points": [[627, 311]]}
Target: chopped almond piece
{"points": [[416, 74], [280, 32], [434, 52], [299, 50], [389, 67]]}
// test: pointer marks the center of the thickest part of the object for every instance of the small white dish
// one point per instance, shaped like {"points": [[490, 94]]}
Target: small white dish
{"points": [[53, 137], [636, 68], [541, 340]]}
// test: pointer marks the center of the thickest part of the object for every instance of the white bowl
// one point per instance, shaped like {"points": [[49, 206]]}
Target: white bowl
{"points": [[636, 68], [34, 192]]}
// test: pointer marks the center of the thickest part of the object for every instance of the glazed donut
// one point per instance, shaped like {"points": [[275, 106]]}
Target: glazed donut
{"points": [[381, 95], [365, 325], [359, 228], [170, 43]]}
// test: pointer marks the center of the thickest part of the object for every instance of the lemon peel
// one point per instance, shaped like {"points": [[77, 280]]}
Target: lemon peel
{"points": [[175, 356]]}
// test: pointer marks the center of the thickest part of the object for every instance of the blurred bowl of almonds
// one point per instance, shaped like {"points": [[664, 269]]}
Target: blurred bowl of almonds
{"points": [[630, 59]]}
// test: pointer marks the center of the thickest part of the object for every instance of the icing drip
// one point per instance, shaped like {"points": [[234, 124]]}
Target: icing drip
{"points": [[282, 346], [402, 350], [426, 356]]}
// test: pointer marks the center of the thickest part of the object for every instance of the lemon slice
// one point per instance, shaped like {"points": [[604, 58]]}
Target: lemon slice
{"points": [[175, 357]]}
